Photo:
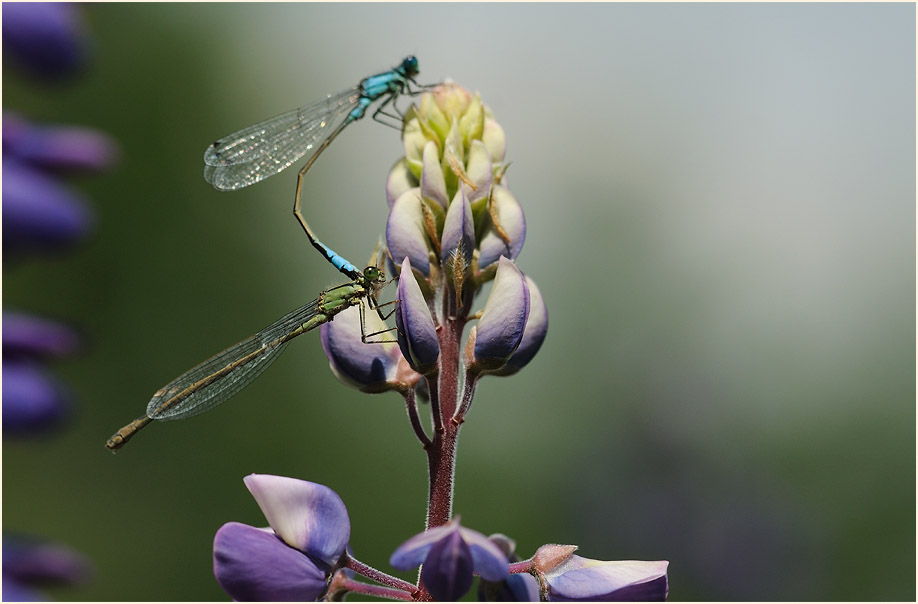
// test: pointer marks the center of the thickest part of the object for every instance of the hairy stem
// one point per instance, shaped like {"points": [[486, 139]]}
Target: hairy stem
{"points": [[380, 577]]}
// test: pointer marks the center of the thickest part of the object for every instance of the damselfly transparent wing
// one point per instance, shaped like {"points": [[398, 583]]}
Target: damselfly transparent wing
{"points": [[264, 149], [226, 373]]}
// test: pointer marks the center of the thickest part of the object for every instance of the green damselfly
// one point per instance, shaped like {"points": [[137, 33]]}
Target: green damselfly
{"points": [[226, 373]]}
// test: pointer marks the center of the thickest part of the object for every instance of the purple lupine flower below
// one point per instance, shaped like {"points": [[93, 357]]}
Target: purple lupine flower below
{"points": [[450, 554], [29, 563], [580, 579], [295, 558], [253, 564], [48, 38]]}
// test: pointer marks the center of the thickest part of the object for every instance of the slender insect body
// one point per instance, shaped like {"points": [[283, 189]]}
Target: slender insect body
{"points": [[220, 377], [268, 147]]}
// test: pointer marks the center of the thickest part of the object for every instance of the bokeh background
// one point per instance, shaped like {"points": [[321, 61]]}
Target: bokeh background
{"points": [[721, 217]]}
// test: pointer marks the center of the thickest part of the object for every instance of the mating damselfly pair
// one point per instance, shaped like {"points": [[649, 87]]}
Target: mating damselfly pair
{"points": [[245, 158]]}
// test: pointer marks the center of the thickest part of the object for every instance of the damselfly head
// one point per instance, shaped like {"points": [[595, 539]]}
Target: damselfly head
{"points": [[374, 275], [410, 66]]}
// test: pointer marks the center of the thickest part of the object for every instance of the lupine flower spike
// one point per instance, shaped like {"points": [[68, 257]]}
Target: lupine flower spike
{"points": [[453, 227]]}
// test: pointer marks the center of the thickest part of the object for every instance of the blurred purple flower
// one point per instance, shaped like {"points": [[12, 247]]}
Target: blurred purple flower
{"points": [[294, 559], [29, 563], [57, 148], [25, 335], [450, 554], [38, 211], [47, 38], [32, 399]]}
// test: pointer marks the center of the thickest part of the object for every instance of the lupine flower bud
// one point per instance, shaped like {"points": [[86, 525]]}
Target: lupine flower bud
{"points": [[503, 321], [508, 213], [447, 154], [417, 335], [580, 579], [458, 241], [406, 234], [291, 561], [433, 182], [450, 554], [371, 368], [533, 335]]}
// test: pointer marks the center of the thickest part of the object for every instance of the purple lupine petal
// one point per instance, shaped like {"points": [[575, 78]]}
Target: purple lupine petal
{"points": [[39, 212], [433, 183], [58, 147], [14, 591], [489, 560], [367, 367], [495, 140], [458, 229], [31, 562], [479, 170], [411, 553], [522, 588], [533, 335], [447, 570], [405, 234], [252, 564], [503, 320], [32, 336], [32, 399], [417, 335], [47, 37], [399, 180], [582, 579], [512, 221], [308, 516]]}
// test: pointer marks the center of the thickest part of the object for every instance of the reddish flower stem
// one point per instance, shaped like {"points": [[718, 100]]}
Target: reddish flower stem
{"points": [[375, 591], [380, 577], [412, 406], [441, 455]]}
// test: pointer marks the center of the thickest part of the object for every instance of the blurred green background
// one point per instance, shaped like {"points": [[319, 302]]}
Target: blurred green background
{"points": [[721, 207]]}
